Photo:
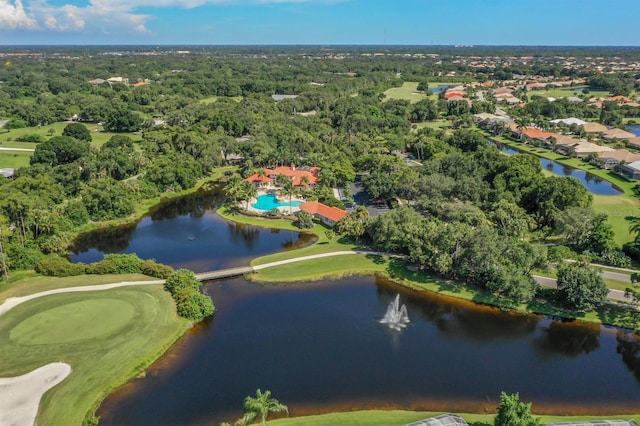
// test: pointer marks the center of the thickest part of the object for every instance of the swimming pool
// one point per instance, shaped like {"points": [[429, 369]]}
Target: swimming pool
{"points": [[269, 202]]}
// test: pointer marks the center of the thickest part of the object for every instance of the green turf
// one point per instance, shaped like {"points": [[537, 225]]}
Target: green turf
{"points": [[74, 322], [98, 136], [31, 284], [99, 364], [564, 93], [398, 418], [14, 159], [408, 91]]}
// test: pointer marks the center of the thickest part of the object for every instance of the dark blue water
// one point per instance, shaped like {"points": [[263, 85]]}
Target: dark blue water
{"points": [[186, 233], [320, 347], [633, 128], [594, 184], [440, 88]]}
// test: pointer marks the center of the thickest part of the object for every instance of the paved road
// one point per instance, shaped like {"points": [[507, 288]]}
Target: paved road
{"points": [[17, 149], [616, 295]]}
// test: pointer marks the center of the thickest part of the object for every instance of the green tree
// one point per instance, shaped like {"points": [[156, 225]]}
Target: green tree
{"points": [[512, 412], [305, 220], [123, 120], [59, 150], [77, 131], [260, 407], [580, 287]]}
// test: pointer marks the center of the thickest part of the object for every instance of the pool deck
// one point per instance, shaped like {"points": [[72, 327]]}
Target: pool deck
{"points": [[283, 209]]}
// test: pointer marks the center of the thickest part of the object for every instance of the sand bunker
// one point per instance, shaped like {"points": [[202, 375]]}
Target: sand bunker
{"points": [[20, 396]]}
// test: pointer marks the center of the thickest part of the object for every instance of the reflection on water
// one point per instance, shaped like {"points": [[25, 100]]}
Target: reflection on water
{"points": [[185, 233], [320, 347]]}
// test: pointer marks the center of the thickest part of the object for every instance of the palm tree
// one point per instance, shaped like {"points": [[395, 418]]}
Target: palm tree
{"points": [[288, 190], [260, 407], [522, 123]]}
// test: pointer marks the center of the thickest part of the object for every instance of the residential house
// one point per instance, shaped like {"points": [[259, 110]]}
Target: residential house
{"points": [[569, 121], [630, 170], [581, 148], [268, 177], [594, 128], [97, 82], [531, 133], [608, 159], [328, 215], [617, 134], [507, 98], [634, 142]]}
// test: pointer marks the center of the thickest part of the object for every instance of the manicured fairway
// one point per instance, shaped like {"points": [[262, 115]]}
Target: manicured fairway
{"points": [[74, 322], [130, 327], [14, 159], [408, 91]]}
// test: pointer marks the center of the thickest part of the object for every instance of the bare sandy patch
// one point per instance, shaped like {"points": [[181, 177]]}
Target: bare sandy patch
{"points": [[20, 396]]}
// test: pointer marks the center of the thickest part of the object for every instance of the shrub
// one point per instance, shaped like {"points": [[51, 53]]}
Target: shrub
{"points": [[16, 123], [195, 306], [22, 258], [158, 270], [103, 267], [181, 280], [124, 263], [305, 220], [30, 138], [56, 266]]}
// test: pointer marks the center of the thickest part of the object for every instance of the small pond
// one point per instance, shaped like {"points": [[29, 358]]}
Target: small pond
{"points": [[320, 347], [186, 233], [594, 184], [440, 88]]}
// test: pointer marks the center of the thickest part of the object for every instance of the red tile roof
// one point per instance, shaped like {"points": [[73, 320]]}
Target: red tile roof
{"points": [[315, 207], [294, 174], [452, 94]]}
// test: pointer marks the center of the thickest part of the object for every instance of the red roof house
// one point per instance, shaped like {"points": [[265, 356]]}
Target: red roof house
{"points": [[328, 215], [296, 175]]}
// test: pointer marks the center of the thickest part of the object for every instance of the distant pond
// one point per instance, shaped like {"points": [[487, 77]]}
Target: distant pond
{"points": [[595, 184], [320, 347]]}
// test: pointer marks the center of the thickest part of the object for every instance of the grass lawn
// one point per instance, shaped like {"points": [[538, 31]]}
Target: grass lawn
{"points": [[213, 99], [99, 137], [436, 124], [14, 159], [106, 336], [408, 91], [31, 285], [566, 92], [397, 417]]}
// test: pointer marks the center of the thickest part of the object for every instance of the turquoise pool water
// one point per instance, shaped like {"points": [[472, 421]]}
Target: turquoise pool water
{"points": [[269, 202]]}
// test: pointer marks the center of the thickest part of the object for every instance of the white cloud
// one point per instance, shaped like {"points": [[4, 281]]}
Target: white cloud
{"points": [[13, 16], [107, 16]]}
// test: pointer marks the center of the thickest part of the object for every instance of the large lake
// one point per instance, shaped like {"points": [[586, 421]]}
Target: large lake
{"points": [[320, 347]]}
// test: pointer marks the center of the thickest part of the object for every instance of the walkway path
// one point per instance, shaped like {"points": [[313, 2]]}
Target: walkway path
{"points": [[17, 149], [12, 302]]}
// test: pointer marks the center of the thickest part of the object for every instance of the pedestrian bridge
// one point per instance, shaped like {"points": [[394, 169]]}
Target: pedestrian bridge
{"points": [[225, 273]]}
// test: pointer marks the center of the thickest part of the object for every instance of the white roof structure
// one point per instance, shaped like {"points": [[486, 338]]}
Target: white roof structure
{"points": [[7, 172], [441, 420], [569, 121], [281, 97], [634, 165]]}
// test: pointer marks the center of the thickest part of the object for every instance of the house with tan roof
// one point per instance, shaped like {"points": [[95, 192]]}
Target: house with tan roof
{"points": [[594, 128], [634, 142], [300, 177], [569, 121], [609, 159], [617, 134], [581, 149], [327, 215]]}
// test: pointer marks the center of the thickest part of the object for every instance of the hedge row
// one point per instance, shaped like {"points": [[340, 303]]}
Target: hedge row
{"points": [[56, 266]]}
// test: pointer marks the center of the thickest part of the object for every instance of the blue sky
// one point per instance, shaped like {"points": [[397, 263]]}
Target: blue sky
{"points": [[415, 22]]}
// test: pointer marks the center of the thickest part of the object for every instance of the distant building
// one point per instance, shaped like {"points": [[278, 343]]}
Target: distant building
{"points": [[300, 176], [282, 97]]}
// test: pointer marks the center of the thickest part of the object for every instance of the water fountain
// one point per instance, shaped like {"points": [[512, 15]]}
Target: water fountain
{"points": [[396, 316]]}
